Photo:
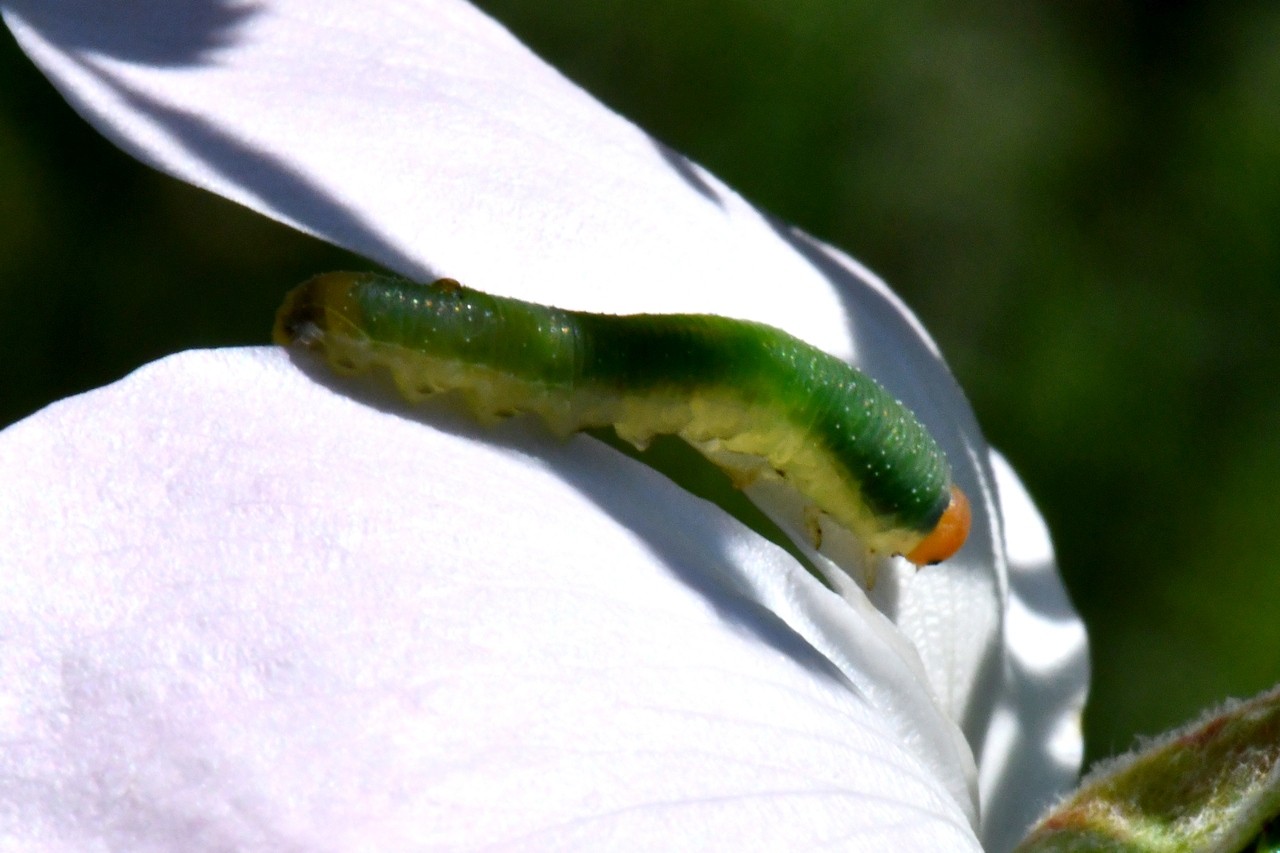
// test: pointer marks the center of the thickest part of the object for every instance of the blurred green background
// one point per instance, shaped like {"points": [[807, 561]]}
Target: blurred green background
{"points": [[1080, 199]]}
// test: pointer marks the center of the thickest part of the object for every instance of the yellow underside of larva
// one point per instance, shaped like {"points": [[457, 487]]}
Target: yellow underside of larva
{"points": [[748, 442]]}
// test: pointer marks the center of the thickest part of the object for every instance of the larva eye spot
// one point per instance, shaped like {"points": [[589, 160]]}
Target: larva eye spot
{"points": [[305, 333], [948, 535], [315, 308], [300, 319]]}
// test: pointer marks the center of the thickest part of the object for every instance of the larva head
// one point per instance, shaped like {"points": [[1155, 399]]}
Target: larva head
{"points": [[314, 308], [947, 535]]}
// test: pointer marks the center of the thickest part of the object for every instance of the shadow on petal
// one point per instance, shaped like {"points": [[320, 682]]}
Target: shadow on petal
{"points": [[303, 201], [688, 172], [166, 33], [711, 575]]}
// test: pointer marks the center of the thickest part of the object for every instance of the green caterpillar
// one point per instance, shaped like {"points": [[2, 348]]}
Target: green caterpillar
{"points": [[753, 399]]}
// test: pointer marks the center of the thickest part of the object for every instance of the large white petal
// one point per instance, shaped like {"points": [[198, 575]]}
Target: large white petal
{"points": [[424, 136], [246, 612]]}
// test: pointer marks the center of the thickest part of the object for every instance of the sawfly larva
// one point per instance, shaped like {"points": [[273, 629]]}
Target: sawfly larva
{"points": [[753, 399]]}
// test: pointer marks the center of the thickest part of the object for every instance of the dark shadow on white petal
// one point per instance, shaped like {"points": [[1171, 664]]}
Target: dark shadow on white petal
{"points": [[192, 33], [268, 178], [688, 172], [618, 492], [1031, 753], [165, 33], [654, 525]]}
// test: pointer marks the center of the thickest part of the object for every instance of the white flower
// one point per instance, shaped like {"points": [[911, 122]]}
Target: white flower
{"points": [[246, 609]]}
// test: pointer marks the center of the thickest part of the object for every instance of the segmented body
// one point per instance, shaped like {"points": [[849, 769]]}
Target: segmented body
{"points": [[755, 400]]}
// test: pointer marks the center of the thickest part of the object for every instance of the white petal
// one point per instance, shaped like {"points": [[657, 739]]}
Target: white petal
{"points": [[424, 136], [250, 613], [1032, 751]]}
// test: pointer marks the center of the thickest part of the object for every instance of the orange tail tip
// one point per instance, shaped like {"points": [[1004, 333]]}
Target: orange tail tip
{"points": [[948, 535]]}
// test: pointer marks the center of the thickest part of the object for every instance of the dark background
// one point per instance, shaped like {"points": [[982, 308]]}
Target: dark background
{"points": [[1080, 199]]}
